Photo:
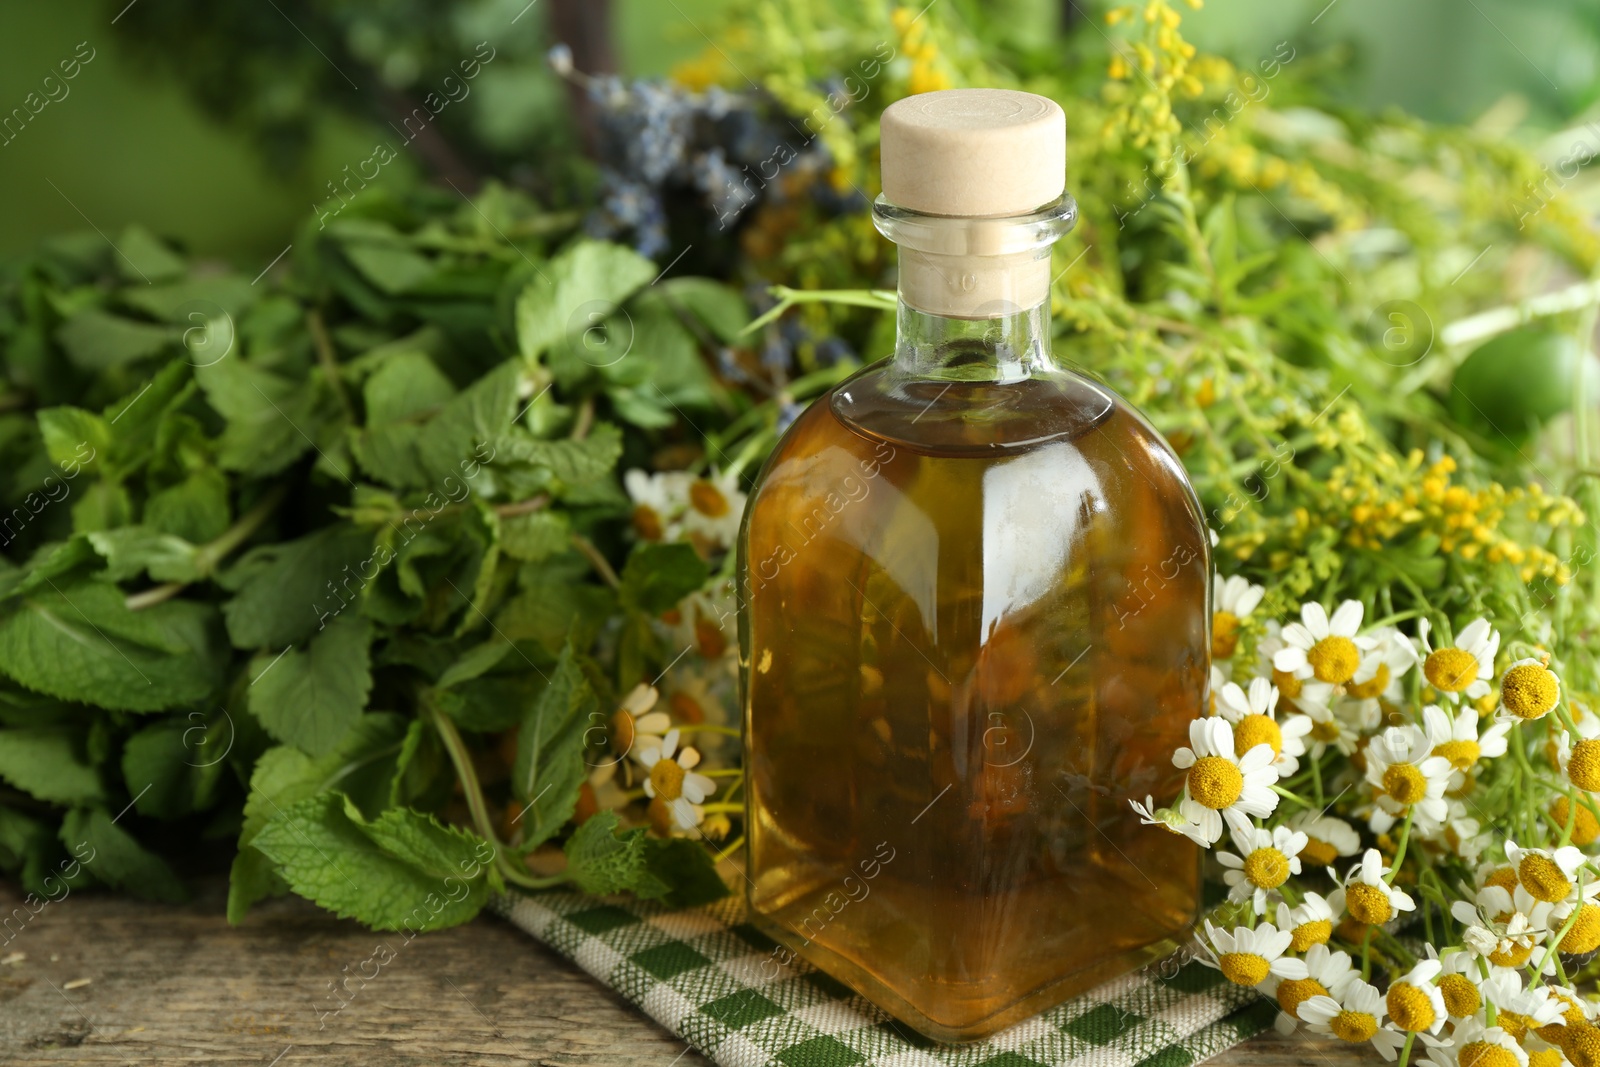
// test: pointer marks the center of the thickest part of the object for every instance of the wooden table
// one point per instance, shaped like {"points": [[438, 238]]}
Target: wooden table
{"points": [[179, 985]]}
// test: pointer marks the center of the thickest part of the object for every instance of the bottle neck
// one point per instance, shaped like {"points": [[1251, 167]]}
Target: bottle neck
{"points": [[974, 292], [1001, 348]]}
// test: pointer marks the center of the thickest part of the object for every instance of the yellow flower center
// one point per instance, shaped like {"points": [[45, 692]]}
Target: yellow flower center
{"points": [[1224, 634], [1373, 686], [622, 731], [1315, 932], [647, 523], [1486, 1054], [1292, 992], [1368, 904], [1318, 853], [1544, 1057], [1288, 685], [1353, 1026], [1504, 877], [1585, 933], [1583, 767], [667, 778], [707, 499], [1334, 660], [1581, 1043], [1460, 995], [1410, 1007], [1244, 968], [1514, 956], [1529, 690], [1404, 783], [1215, 782], [1513, 1023], [1543, 878], [1451, 670], [1461, 754], [1267, 868], [1584, 828], [1254, 730], [1324, 730]]}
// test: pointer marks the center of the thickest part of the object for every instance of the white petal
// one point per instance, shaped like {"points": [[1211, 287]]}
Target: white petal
{"points": [[1346, 619]]}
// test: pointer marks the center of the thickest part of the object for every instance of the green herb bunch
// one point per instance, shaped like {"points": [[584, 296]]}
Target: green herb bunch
{"points": [[318, 562]]}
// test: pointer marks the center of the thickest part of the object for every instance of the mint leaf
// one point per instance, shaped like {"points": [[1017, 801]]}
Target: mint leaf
{"points": [[535, 536], [115, 858], [45, 761], [400, 397], [588, 280], [549, 768], [325, 853], [657, 576], [460, 437], [284, 591], [97, 341], [78, 640], [431, 847], [718, 306], [195, 509], [170, 769], [570, 462], [601, 861], [73, 437], [271, 420], [311, 699], [133, 550], [144, 257], [474, 662], [687, 869]]}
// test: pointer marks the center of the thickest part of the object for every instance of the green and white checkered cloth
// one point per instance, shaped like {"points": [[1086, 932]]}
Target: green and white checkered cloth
{"points": [[699, 973]]}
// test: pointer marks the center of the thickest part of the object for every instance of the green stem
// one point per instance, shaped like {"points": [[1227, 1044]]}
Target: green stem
{"points": [[1400, 847], [212, 553], [881, 299], [1405, 1050], [479, 808]]}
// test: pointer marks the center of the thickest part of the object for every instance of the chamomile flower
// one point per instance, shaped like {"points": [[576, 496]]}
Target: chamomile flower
{"points": [[1355, 1016], [1249, 957], [1528, 690], [1405, 776], [636, 725], [673, 781], [1252, 716], [1328, 973], [659, 501], [1414, 1001], [1328, 837], [1218, 781], [1323, 648], [1309, 922], [1329, 729], [1472, 1044], [1458, 740], [1580, 756], [1547, 875], [1378, 677], [1236, 598], [1458, 984], [1519, 1010], [1365, 894], [1462, 669], [715, 507], [1265, 861], [1170, 819], [1502, 925], [1462, 835]]}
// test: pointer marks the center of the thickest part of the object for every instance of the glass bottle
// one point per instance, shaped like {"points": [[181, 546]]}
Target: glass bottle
{"points": [[975, 621]]}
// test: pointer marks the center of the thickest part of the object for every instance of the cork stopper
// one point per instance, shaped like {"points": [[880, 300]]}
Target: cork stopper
{"points": [[977, 153]]}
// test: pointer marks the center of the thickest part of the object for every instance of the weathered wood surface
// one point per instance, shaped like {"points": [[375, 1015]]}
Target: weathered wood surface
{"points": [[179, 985]]}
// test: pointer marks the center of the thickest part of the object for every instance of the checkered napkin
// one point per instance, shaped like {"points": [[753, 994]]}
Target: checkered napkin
{"points": [[699, 973]]}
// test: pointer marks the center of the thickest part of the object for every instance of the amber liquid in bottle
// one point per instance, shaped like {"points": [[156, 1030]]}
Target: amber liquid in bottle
{"points": [[976, 625]]}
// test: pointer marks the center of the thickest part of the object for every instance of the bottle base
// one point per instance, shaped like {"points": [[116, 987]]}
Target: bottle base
{"points": [[952, 1030]]}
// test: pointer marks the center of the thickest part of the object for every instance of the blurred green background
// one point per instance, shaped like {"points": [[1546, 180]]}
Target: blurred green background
{"points": [[130, 144]]}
